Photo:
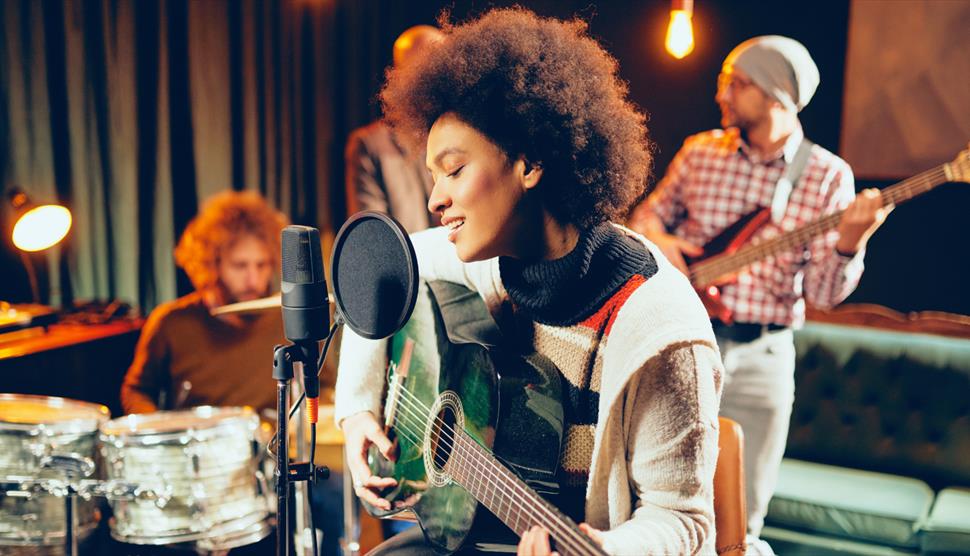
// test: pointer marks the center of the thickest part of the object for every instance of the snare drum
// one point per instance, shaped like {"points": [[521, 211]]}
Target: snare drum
{"points": [[205, 458], [32, 428]]}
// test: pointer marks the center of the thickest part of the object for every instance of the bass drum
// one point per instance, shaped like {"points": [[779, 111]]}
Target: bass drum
{"points": [[33, 428], [205, 458]]}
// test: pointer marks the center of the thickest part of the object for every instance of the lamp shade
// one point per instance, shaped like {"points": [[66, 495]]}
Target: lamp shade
{"points": [[37, 227]]}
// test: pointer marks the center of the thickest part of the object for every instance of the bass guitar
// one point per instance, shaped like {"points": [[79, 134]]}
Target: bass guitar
{"points": [[731, 251], [475, 426]]}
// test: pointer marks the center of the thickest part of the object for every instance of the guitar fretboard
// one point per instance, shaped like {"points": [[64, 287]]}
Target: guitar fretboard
{"points": [[710, 270], [511, 499]]}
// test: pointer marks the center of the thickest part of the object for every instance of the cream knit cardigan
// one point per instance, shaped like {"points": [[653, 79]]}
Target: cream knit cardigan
{"points": [[651, 478]]}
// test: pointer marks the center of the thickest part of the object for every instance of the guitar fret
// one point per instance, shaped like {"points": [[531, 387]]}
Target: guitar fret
{"points": [[708, 271], [508, 497]]}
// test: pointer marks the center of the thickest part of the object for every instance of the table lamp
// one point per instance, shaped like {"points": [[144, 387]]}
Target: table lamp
{"points": [[36, 227]]}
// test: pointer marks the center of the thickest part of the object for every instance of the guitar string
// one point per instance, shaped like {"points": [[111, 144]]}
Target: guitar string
{"points": [[513, 498], [563, 528], [724, 264], [717, 266], [519, 496]]}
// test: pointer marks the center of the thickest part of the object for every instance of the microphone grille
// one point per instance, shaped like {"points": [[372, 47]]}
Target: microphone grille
{"points": [[302, 259]]}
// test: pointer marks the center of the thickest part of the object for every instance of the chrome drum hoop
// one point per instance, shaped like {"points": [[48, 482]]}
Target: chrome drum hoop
{"points": [[32, 428], [206, 461]]}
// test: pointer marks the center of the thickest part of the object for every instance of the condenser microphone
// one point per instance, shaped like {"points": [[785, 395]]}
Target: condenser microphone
{"points": [[306, 311]]}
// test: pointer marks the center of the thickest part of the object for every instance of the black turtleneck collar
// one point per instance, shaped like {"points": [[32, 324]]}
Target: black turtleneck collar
{"points": [[565, 291]]}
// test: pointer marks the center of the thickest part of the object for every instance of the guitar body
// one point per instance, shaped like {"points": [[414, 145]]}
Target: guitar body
{"points": [[729, 252], [506, 403], [724, 244]]}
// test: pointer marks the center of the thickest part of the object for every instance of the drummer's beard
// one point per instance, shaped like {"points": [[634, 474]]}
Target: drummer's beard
{"points": [[220, 295]]}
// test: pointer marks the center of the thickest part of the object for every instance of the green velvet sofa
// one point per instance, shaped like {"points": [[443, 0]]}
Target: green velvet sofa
{"points": [[878, 457]]}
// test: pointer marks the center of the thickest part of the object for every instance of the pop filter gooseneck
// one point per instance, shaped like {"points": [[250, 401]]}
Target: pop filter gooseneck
{"points": [[374, 273]]}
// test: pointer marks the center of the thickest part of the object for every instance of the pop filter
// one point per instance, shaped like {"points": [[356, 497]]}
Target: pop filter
{"points": [[374, 273]]}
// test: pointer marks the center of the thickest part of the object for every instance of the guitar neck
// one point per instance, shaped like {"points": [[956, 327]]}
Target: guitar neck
{"points": [[510, 499], [711, 269]]}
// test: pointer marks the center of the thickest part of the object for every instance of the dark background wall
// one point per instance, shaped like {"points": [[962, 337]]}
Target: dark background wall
{"points": [[914, 262]]}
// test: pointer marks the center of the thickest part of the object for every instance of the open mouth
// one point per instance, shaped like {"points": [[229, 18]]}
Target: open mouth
{"points": [[456, 224]]}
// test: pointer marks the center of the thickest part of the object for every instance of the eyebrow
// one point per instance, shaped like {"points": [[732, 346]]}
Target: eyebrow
{"points": [[446, 152]]}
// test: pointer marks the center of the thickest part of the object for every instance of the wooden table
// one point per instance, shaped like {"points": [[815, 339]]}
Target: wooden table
{"points": [[78, 361]]}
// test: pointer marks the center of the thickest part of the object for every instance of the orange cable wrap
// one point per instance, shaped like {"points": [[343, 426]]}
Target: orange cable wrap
{"points": [[312, 409]]}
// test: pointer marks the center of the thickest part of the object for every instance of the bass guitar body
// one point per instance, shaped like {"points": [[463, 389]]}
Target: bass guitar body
{"points": [[726, 243], [452, 392]]}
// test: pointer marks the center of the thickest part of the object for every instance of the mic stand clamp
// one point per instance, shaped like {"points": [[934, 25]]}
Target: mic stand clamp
{"points": [[286, 474]]}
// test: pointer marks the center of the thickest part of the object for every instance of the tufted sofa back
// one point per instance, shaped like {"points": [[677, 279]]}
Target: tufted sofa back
{"points": [[883, 400]]}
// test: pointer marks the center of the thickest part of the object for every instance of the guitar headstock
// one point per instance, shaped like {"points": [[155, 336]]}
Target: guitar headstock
{"points": [[959, 168]]}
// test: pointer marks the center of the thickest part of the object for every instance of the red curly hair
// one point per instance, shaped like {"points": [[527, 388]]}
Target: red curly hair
{"points": [[225, 218]]}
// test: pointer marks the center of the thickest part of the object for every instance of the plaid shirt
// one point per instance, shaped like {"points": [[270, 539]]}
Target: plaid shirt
{"points": [[715, 179]]}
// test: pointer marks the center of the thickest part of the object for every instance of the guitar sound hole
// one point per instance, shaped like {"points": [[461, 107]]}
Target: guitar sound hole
{"points": [[443, 437]]}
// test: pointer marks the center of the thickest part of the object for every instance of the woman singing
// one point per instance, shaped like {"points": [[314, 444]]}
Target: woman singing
{"points": [[535, 151]]}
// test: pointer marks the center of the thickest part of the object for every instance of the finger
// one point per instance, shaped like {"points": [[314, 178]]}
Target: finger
{"points": [[372, 498], [375, 481], [689, 248], [594, 534], [529, 541], [525, 544], [542, 547], [383, 443]]}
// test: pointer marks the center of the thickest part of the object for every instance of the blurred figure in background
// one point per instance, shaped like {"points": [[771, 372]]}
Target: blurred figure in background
{"points": [[188, 357], [381, 174]]}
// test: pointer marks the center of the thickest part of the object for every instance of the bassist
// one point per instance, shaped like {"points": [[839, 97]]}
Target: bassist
{"points": [[721, 175]]}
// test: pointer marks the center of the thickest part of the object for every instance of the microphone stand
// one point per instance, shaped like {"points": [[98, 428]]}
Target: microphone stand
{"points": [[287, 474]]}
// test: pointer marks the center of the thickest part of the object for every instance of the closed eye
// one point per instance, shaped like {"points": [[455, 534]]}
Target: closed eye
{"points": [[456, 172]]}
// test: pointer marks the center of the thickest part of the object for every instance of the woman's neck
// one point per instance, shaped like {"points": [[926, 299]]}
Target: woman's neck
{"points": [[560, 239]]}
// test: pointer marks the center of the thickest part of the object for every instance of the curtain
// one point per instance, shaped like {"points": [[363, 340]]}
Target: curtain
{"points": [[132, 112]]}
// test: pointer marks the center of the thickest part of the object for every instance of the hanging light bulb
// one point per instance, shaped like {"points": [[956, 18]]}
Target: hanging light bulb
{"points": [[680, 32]]}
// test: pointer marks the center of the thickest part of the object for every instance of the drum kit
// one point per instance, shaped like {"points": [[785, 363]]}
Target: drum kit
{"points": [[191, 479]]}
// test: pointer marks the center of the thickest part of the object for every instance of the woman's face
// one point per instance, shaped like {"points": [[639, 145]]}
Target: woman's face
{"points": [[480, 193]]}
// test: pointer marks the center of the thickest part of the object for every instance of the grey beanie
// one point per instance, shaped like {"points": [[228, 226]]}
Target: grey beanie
{"points": [[781, 66]]}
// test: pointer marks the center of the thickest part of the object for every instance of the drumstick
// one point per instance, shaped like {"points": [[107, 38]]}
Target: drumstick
{"points": [[251, 306], [247, 306]]}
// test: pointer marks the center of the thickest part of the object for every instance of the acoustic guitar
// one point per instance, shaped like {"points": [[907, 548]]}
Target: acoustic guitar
{"points": [[478, 429], [730, 251]]}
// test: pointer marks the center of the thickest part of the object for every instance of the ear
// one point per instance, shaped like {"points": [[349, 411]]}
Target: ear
{"points": [[530, 172]]}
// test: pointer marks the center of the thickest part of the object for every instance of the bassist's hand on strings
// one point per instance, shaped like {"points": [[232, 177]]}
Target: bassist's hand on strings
{"points": [[535, 541], [861, 218], [362, 430]]}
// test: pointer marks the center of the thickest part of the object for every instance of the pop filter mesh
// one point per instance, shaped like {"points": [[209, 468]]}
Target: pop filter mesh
{"points": [[375, 274]]}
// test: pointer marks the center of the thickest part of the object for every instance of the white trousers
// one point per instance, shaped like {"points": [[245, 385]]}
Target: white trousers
{"points": [[758, 391]]}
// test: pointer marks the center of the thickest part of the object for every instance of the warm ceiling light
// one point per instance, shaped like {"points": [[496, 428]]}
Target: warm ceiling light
{"points": [[680, 32], [38, 227]]}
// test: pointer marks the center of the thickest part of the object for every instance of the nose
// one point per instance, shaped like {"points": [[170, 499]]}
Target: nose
{"points": [[254, 277], [722, 94], [439, 199]]}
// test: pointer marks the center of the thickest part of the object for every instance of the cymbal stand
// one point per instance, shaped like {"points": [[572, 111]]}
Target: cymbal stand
{"points": [[72, 467]]}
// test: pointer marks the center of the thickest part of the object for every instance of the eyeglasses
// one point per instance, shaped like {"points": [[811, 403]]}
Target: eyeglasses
{"points": [[732, 82]]}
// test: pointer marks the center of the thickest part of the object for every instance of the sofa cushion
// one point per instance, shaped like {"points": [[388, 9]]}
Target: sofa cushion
{"points": [[850, 503], [947, 531], [884, 401]]}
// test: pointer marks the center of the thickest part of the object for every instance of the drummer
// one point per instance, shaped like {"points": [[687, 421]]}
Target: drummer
{"points": [[186, 356]]}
